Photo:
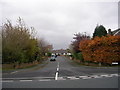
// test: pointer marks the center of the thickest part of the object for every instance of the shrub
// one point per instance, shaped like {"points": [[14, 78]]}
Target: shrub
{"points": [[49, 54], [80, 56], [104, 49]]}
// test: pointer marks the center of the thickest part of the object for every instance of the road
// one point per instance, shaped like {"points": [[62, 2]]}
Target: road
{"points": [[63, 73]]}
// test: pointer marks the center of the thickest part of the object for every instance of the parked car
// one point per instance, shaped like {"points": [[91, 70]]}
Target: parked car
{"points": [[53, 58]]}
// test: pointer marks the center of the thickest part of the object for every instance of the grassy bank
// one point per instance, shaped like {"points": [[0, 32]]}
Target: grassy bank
{"points": [[78, 62], [16, 66]]}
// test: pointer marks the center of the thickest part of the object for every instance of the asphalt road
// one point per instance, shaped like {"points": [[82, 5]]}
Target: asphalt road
{"points": [[62, 73], [88, 83]]}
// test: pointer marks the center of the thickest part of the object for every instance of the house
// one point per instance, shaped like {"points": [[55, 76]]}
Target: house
{"points": [[49, 47], [115, 32], [60, 52]]}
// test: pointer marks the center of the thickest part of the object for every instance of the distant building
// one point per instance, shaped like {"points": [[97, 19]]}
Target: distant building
{"points": [[49, 48], [60, 52], [115, 32]]}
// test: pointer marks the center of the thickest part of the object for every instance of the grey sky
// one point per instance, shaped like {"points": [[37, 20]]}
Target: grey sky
{"points": [[57, 20]]}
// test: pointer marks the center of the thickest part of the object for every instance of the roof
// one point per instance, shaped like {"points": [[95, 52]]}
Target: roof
{"points": [[115, 32], [59, 51]]}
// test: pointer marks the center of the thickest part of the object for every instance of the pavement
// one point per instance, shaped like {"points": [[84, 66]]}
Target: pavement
{"points": [[62, 73]]}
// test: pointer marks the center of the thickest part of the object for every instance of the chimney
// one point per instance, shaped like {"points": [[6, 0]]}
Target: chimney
{"points": [[109, 31]]}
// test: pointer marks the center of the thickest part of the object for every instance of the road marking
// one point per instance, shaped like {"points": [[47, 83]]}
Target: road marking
{"points": [[28, 78], [58, 65], [83, 76], [44, 77], [45, 80], [73, 78], [25, 80], [14, 72], [13, 78], [86, 78], [57, 69], [114, 74], [61, 78], [96, 76], [104, 75], [8, 81], [56, 76]]}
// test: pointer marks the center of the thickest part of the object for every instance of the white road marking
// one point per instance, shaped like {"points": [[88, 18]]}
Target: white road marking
{"points": [[71, 77], [8, 81], [96, 76], [45, 80], [82, 76], [57, 69], [25, 80], [86, 77], [104, 75], [14, 72], [109, 76], [114, 74], [61, 78], [56, 76], [13, 78], [43, 77], [58, 65], [74, 78]]}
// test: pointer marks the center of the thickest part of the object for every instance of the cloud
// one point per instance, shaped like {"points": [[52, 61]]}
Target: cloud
{"points": [[58, 20]]}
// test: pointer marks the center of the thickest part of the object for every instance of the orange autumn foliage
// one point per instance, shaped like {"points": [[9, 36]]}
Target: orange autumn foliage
{"points": [[104, 49]]}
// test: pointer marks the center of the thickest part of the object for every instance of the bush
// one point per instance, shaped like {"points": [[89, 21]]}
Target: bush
{"points": [[104, 49], [78, 56], [19, 44], [49, 54]]}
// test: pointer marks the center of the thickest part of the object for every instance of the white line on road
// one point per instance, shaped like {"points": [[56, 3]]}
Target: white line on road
{"points": [[74, 78], [56, 76], [8, 81], [45, 80], [61, 78], [44, 77], [58, 65], [104, 75], [57, 69], [96, 76], [25, 80], [114, 74], [14, 72], [83, 76]]}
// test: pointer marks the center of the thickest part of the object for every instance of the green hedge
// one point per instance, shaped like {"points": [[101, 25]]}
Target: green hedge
{"points": [[78, 56]]}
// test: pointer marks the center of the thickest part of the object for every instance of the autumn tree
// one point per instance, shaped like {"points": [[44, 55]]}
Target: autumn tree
{"points": [[74, 47], [78, 37], [105, 49]]}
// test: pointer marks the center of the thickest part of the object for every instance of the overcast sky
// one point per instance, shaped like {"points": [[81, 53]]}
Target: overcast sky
{"points": [[57, 20]]}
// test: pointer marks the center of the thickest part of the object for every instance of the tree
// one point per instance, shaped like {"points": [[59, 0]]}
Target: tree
{"points": [[42, 44], [77, 39], [100, 31], [18, 43], [101, 49]]}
